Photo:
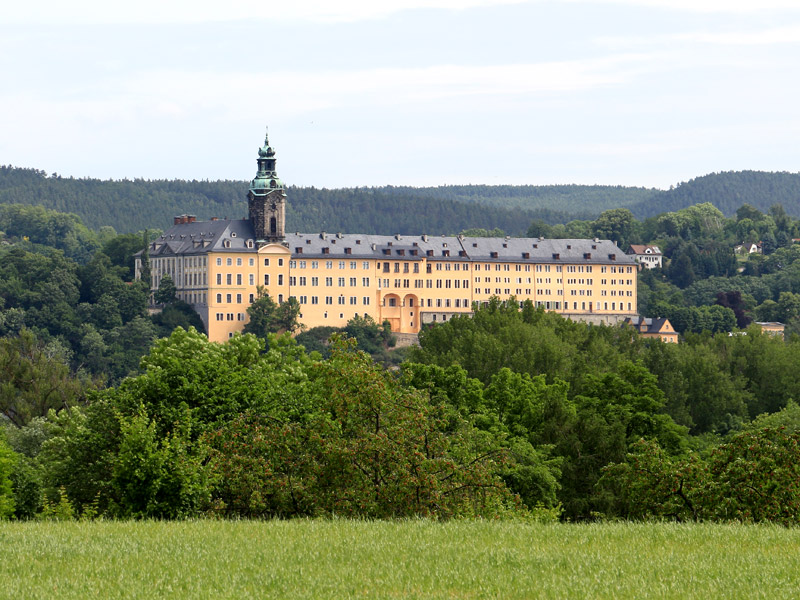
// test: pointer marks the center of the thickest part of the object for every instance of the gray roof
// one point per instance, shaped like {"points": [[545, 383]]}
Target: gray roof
{"points": [[647, 324], [201, 237]]}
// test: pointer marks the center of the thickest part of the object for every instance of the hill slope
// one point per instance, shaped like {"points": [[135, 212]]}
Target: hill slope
{"points": [[132, 205]]}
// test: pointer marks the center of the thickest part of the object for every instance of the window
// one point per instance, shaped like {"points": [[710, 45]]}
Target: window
{"points": [[302, 264], [353, 282], [328, 264], [219, 264], [315, 264], [365, 300], [341, 299], [238, 298], [315, 281], [252, 279], [229, 279], [238, 262], [302, 281], [353, 300], [220, 316], [353, 264], [280, 262], [328, 299], [229, 262], [329, 281], [219, 298], [219, 278], [314, 299], [280, 279], [365, 265], [251, 261], [341, 281], [266, 262], [228, 298], [365, 281], [238, 279], [292, 280], [392, 302]]}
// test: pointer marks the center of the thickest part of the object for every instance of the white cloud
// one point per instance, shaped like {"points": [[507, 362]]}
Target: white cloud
{"points": [[763, 37], [299, 92], [198, 11], [706, 6]]}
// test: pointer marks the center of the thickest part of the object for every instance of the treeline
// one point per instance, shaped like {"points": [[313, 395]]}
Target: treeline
{"points": [[71, 292], [727, 191], [131, 205], [512, 413]]}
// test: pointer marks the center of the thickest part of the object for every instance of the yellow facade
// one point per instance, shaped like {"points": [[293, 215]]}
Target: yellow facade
{"points": [[332, 285]]}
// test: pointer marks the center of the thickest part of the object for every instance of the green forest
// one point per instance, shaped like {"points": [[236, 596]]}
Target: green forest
{"points": [[133, 205], [111, 411]]}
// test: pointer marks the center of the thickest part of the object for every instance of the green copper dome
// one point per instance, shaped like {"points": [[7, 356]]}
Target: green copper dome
{"points": [[266, 178]]}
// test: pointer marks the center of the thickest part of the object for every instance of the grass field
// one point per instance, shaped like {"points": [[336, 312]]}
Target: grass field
{"points": [[416, 559]]}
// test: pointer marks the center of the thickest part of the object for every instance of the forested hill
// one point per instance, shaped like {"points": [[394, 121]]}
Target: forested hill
{"points": [[132, 205], [727, 191]]}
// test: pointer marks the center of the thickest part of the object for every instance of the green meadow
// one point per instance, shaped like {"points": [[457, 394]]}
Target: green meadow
{"points": [[401, 559]]}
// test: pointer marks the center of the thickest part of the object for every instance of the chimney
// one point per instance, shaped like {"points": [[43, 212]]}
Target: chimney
{"points": [[191, 218]]}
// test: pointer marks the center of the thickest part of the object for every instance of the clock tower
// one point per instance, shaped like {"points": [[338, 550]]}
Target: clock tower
{"points": [[267, 199]]}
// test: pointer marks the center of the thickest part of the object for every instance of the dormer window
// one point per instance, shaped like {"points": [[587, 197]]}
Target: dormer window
{"points": [[493, 254], [326, 250], [233, 234]]}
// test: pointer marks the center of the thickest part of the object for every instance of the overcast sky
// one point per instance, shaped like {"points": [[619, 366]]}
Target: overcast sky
{"points": [[404, 92]]}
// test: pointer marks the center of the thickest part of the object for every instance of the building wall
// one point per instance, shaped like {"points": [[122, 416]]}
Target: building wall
{"points": [[406, 291]]}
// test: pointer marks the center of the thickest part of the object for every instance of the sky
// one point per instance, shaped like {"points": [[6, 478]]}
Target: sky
{"points": [[402, 92]]}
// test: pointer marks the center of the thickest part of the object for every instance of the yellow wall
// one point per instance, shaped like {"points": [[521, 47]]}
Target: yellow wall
{"points": [[331, 291]]}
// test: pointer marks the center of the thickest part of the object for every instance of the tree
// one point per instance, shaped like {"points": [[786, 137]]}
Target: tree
{"points": [[616, 224], [166, 292], [369, 448], [266, 316], [8, 462], [34, 378]]}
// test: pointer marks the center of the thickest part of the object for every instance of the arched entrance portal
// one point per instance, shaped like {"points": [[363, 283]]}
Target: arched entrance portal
{"points": [[392, 310], [409, 318]]}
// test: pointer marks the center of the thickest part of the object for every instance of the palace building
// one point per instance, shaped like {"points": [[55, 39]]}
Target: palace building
{"points": [[409, 280]]}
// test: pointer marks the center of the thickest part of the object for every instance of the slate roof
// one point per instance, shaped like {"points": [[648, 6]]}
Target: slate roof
{"points": [[646, 324], [200, 237]]}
